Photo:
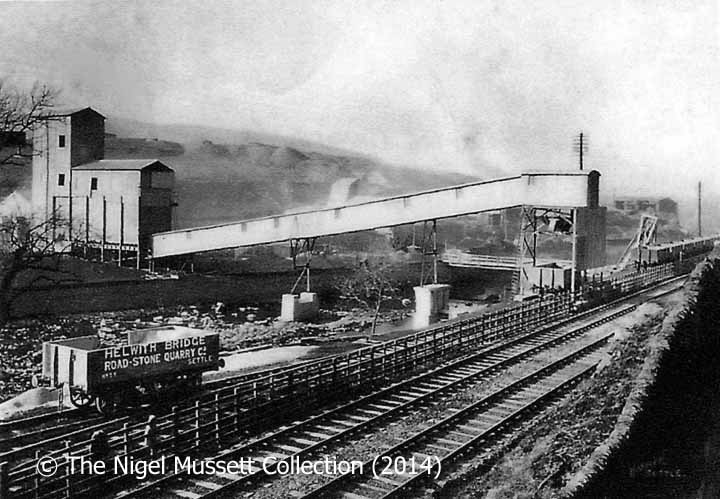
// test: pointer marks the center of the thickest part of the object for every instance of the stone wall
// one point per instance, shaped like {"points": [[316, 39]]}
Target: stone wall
{"points": [[193, 289], [659, 441]]}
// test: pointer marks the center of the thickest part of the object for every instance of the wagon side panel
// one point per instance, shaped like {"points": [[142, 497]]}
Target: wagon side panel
{"points": [[143, 362], [64, 364]]}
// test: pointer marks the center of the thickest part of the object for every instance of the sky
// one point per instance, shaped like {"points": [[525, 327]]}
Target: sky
{"points": [[465, 86]]}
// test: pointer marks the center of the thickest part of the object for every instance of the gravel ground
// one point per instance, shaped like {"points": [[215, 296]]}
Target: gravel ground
{"points": [[21, 341]]}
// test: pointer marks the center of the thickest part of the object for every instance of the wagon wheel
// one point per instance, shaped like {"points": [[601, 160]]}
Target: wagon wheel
{"points": [[105, 405], [79, 398]]}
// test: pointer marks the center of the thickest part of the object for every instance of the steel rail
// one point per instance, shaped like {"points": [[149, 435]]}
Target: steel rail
{"points": [[496, 397], [41, 434], [464, 323], [16, 423], [483, 371]]}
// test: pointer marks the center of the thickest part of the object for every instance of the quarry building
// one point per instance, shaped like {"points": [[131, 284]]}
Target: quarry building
{"points": [[107, 205]]}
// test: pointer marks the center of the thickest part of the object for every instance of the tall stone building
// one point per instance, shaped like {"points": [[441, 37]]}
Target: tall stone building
{"points": [[110, 205]]}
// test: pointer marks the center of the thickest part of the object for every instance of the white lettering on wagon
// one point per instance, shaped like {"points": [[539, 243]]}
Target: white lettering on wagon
{"points": [[128, 350], [191, 351], [184, 343]]}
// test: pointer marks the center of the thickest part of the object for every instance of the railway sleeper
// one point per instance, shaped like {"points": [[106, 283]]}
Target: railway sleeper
{"points": [[461, 434], [186, 494], [383, 407], [389, 481], [402, 398], [485, 420], [449, 441], [353, 495], [206, 484], [340, 422], [228, 476], [357, 417], [332, 429], [317, 434], [370, 411], [511, 405], [470, 428], [264, 453], [441, 448], [288, 448], [305, 441], [374, 487]]}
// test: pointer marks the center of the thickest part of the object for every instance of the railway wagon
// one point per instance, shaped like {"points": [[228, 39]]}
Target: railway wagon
{"points": [[149, 364], [675, 251]]}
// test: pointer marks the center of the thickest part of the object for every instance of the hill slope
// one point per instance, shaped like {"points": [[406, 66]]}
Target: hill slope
{"points": [[223, 176]]}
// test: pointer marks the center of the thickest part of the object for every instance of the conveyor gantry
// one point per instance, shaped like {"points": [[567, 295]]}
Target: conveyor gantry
{"points": [[553, 189]]}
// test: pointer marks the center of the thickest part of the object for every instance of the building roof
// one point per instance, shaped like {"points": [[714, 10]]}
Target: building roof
{"points": [[123, 165], [59, 112], [653, 199]]}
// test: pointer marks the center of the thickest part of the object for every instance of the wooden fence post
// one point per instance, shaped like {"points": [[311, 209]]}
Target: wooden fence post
{"points": [[36, 481], [4, 485], [150, 435], [217, 420], [68, 482], [197, 425], [175, 429], [236, 408], [126, 439]]}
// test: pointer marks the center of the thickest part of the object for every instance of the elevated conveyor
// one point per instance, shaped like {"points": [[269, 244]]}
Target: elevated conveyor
{"points": [[553, 189]]}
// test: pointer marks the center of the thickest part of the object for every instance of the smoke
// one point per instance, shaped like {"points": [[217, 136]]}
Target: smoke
{"points": [[478, 87]]}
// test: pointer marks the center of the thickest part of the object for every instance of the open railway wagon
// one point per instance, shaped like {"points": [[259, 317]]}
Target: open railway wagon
{"points": [[150, 365], [679, 250]]}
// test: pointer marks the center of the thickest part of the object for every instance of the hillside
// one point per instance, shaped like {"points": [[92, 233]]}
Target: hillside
{"points": [[226, 175], [222, 175]]}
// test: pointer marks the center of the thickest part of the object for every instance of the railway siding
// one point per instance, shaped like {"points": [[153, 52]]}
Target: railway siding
{"points": [[231, 412], [584, 447]]}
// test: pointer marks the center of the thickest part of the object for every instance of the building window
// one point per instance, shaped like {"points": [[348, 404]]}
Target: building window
{"points": [[61, 179], [93, 184], [61, 141]]}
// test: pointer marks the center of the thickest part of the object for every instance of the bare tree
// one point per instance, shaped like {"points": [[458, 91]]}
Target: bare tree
{"points": [[28, 247], [31, 250], [20, 112], [370, 287]]}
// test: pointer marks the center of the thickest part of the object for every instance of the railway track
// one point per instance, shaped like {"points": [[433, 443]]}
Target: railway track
{"points": [[441, 444], [138, 415], [331, 429], [11, 425], [23, 432], [23, 441], [56, 444], [17, 432]]}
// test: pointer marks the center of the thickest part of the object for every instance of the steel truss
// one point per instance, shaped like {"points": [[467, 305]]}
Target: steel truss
{"points": [[537, 221], [298, 247], [429, 247]]}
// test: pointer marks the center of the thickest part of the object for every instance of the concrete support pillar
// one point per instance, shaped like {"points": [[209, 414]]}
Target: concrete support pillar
{"points": [[431, 301], [299, 307]]}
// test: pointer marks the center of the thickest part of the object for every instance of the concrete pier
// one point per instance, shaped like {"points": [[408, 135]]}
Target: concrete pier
{"points": [[431, 301], [299, 307]]}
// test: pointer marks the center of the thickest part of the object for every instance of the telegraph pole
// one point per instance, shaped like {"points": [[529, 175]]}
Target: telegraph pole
{"points": [[580, 146], [699, 209]]}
